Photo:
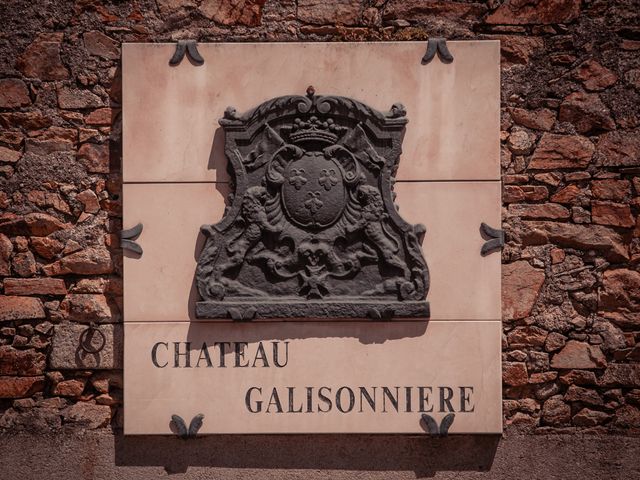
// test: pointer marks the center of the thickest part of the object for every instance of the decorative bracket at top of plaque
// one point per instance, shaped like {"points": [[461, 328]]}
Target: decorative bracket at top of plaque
{"points": [[312, 230]]}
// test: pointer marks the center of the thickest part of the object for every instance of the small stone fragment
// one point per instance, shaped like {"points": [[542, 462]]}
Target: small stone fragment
{"points": [[13, 93], [561, 151], [20, 308], [99, 44], [579, 355], [34, 286], [520, 288]]}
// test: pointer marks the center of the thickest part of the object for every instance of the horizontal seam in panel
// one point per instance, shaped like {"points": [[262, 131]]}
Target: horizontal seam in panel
{"points": [[449, 181], [174, 182]]}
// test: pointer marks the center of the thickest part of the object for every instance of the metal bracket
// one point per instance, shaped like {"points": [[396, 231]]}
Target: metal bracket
{"points": [[432, 426], [181, 426], [86, 338], [127, 238], [437, 45], [190, 47], [496, 239], [238, 315], [380, 314]]}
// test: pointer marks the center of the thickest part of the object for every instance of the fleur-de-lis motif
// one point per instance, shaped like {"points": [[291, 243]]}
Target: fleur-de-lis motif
{"points": [[313, 204], [297, 179], [328, 178]]}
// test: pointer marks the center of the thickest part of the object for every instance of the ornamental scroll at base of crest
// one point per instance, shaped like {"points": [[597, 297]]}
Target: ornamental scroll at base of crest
{"points": [[312, 230]]}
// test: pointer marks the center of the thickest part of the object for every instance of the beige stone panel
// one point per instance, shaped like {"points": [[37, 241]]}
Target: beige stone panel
{"points": [[171, 114], [464, 284], [159, 285], [353, 355]]}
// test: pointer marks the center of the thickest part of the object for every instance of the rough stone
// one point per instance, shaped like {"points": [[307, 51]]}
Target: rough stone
{"points": [[91, 261], [521, 193], [54, 139], [621, 375], [46, 247], [541, 119], [169, 7], [586, 112], [66, 353], [519, 142], [620, 297], [583, 237], [20, 308], [610, 189], [41, 59], [100, 45], [234, 12], [36, 224], [571, 195], [39, 420], [614, 214], [514, 373], [86, 307], [9, 155], [88, 415], [518, 50], [619, 148], [20, 387], [34, 286], [531, 336], [515, 12], [583, 395], [24, 264], [612, 337], [94, 157], [6, 249], [579, 355], [69, 388], [13, 93], [521, 284], [21, 362], [594, 76], [561, 151], [71, 99], [590, 418], [90, 201], [420, 10], [99, 117], [542, 377], [627, 416], [537, 361], [578, 377], [554, 341], [551, 211], [556, 412]]}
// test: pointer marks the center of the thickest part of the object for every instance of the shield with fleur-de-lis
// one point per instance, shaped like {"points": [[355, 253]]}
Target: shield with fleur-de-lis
{"points": [[305, 196]]}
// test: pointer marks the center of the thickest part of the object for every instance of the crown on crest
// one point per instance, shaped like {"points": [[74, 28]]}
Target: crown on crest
{"points": [[315, 129]]}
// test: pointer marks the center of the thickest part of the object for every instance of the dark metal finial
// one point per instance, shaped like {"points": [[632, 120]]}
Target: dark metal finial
{"points": [[495, 239], [311, 91], [188, 47], [432, 427], [439, 46]]}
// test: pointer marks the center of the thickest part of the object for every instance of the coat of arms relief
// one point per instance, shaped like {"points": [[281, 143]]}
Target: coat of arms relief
{"points": [[312, 229]]}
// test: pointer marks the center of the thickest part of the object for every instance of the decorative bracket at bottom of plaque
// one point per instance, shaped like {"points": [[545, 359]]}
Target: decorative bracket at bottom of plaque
{"points": [[295, 309]]}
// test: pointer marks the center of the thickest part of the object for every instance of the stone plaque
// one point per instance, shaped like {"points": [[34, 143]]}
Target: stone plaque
{"points": [[312, 377], [282, 203]]}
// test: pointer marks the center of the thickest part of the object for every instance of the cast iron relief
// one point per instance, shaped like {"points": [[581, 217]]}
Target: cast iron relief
{"points": [[312, 230]]}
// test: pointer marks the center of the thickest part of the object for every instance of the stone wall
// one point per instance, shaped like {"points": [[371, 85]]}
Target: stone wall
{"points": [[571, 173]]}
